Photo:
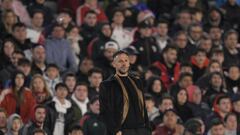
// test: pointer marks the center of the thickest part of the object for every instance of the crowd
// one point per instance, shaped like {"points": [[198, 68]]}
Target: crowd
{"points": [[54, 54]]}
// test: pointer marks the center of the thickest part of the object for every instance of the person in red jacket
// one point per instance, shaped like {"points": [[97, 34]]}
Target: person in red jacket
{"points": [[169, 66], [90, 5], [18, 99]]}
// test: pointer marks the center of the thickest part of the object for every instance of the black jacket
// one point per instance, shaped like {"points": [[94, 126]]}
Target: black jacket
{"points": [[52, 116], [29, 128], [111, 104]]}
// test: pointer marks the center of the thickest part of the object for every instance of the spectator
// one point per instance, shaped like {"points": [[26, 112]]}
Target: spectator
{"points": [[14, 124], [58, 48], [120, 34], [76, 130], [65, 19], [24, 65], [105, 61], [217, 54], [199, 63], [150, 106], [37, 123], [236, 106], [162, 34], [85, 65], [40, 89], [12, 99], [37, 21], [52, 77], [90, 5], [39, 132], [169, 66], [39, 5], [170, 125], [231, 52], [186, 67], [59, 112], [233, 80], [80, 100], [217, 127], [193, 127], [185, 50], [146, 45], [215, 34], [9, 18], [8, 47], [38, 60], [156, 89], [90, 122], [195, 33], [206, 44], [70, 80], [96, 46], [95, 77], [230, 121], [3, 120]]}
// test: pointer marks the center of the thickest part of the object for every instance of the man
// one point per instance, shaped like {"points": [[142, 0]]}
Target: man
{"points": [[37, 21], [217, 127], [90, 122], [38, 60], [37, 122], [70, 80], [169, 66], [122, 106], [76, 130], [194, 34], [170, 124], [95, 77], [58, 50], [80, 100], [84, 67]]}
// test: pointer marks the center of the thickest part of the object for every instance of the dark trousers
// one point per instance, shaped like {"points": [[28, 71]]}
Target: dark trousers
{"points": [[139, 131]]}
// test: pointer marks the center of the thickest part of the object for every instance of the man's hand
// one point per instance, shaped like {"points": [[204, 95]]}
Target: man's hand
{"points": [[119, 133]]}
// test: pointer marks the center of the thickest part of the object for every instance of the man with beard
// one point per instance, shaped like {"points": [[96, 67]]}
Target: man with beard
{"points": [[122, 106], [37, 122], [168, 65]]}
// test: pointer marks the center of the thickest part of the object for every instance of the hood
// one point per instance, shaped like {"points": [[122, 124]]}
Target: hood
{"points": [[10, 121], [205, 64]]}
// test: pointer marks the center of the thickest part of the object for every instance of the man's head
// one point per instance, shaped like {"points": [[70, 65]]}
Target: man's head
{"points": [[121, 62], [40, 114], [195, 32], [70, 80], [118, 17], [94, 105], [224, 104], [162, 27], [184, 19], [217, 127], [170, 118], [61, 91], [16, 56], [39, 132], [149, 102], [206, 43], [90, 18], [231, 39], [180, 39], [81, 91], [95, 77], [217, 54], [215, 33], [76, 130], [52, 71], [185, 80], [64, 17], [200, 56], [86, 65], [39, 54], [236, 103], [24, 65], [20, 32], [58, 31], [145, 29], [230, 121], [216, 80], [37, 18], [166, 103], [170, 54], [234, 72]]}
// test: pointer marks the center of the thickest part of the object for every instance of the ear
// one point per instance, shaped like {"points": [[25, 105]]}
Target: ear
{"points": [[114, 64]]}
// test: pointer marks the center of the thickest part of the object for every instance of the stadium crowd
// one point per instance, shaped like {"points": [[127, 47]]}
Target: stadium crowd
{"points": [[54, 54]]}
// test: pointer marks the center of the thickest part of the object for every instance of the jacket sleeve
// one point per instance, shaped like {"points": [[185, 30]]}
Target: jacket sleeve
{"points": [[106, 110]]}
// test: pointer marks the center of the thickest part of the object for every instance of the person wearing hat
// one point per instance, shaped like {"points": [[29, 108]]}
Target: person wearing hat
{"points": [[105, 61], [133, 56], [146, 45], [90, 121], [170, 124], [122, 105], [60, 113]]}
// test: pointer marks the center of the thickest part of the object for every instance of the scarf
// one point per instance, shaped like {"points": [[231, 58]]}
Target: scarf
{"points": [[62, 108]]}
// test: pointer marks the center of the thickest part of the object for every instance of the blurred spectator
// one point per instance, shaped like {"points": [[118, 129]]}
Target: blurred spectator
{"points": [[215, 34], [59, 112], [85, 65], [37, 122], [233, 80], [90, 5], [95, 77], [76, 130], [8, 47], [230, 122], [195, 33], [3, 120], [14, 124], [216, 127], [58, 51], [150, 106], [12, 99], [38, 60], [70, 80], [90, 122], [80, 100], [40, 90], [24, 65], [64, 18], [52, 77], [169, 66]]}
